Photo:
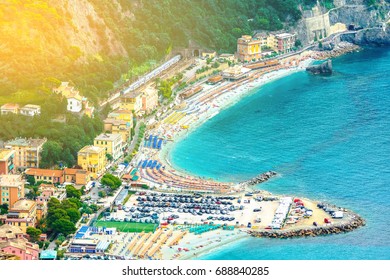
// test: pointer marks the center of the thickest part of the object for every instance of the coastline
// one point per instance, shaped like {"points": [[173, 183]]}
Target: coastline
{"points": [[230, 99], [223, 102], [203, 245]]}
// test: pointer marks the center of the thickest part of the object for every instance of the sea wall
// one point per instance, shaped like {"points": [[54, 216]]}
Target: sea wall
{"points": [[353, 222]]}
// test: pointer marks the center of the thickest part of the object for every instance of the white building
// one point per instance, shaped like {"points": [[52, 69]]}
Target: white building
{"points": [[75, 103], [30, 110]]}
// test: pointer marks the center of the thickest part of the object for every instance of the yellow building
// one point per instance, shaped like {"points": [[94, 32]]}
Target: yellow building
{"points": [[248, 48], [120, 127], [22, 214], [11, 189], [131, 101], [112, 144], [92, 159], [268, 41], [124, 115], [27, 152]]}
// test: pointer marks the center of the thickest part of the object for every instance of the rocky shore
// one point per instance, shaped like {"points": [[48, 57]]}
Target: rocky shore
{"points": [[321, 69], [335, 51], [348, 224]]}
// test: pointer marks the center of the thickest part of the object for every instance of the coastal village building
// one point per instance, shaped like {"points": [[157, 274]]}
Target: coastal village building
{"points": [[262, 44], [78, 177], [268, 41], [9, 108], [7, 161], [235, 73], [14, 243], [75, 103], [27, 151], [149, 100], [112, 144], [92, 159], [120, 127], [30, 110], [22, 214], [248, 48], [73, 97], [131, 101], [46, 175], [125, 115], [47, 191], [214, 79], [53, 176], [11, 189], [285, 42]]}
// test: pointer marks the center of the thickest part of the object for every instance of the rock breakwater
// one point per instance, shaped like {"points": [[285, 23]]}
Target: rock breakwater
{"points": [[351, 223], [261, 178]]}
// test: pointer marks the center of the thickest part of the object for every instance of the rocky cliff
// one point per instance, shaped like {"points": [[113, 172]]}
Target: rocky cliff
{"points": [[373, 20]]}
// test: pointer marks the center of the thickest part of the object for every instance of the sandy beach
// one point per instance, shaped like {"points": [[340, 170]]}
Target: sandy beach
{"points": [[198, 109]]}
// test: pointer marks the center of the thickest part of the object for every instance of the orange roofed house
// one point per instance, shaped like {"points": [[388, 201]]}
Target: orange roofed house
{"points": [[77, 176], [47, 175], [9, 108], [27, 151], [13, 242], [69, 175]]}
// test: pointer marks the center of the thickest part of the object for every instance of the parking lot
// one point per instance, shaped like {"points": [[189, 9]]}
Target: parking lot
{"points": [[153, 207]]}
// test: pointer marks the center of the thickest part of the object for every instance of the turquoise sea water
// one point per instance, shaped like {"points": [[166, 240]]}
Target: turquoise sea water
{"points": [[328, 137]]}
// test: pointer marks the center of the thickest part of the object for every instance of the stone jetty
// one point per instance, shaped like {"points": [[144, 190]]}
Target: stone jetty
{"points": [[351, 223]]}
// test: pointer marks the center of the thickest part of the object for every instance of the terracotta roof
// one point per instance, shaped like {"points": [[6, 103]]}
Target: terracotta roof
{"points": [[44, 172], [70, 171], [10, 106]]}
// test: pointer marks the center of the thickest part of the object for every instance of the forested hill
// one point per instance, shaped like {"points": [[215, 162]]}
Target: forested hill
{"points": [[93, 42]]}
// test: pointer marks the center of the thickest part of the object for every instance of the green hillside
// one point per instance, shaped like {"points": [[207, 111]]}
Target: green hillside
{"points": [[93, 43]]}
